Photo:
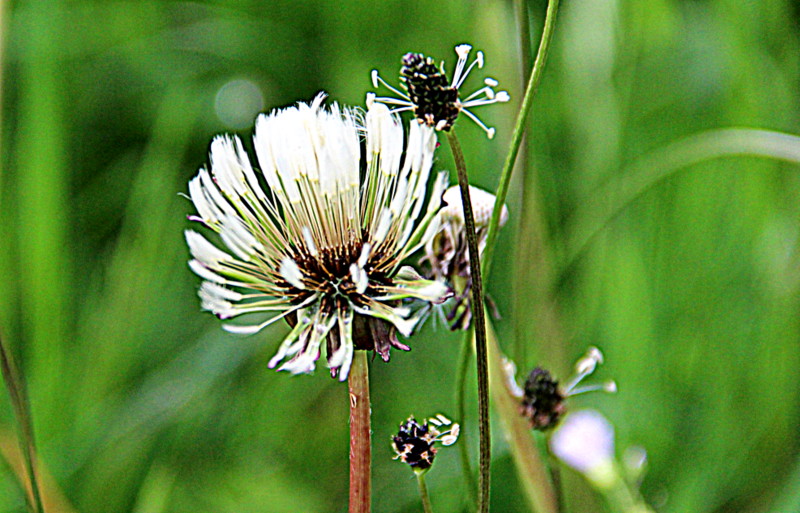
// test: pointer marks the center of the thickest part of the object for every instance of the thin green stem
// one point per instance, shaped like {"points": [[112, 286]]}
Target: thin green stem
{"points": [[558, 486], [360, 443], [527, 457], [423, 493], [521, 265], [519, 131], [621, 497], [461, 409], [478, 325], [19, 402]]}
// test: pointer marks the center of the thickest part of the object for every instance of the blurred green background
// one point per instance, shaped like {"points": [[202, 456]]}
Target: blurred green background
{"points": [[626, 233]]}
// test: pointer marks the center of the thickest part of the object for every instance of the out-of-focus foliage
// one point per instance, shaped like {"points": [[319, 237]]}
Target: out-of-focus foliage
{"points": [[142, 403]]}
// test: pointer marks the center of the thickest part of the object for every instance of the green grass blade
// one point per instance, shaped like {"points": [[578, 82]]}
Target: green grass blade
{"points": [[19, 401]]}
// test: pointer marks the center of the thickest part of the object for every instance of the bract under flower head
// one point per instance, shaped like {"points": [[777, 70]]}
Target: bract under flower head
{"points": [[434, 100], [323, 244]]}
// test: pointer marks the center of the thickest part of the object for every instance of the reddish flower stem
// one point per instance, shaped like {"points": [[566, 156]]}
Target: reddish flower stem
{"points": [[360, 443]]}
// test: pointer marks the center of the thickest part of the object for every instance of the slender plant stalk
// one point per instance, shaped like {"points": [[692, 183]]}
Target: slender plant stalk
{"points": [[360, 444], [527, 457], [19, 401], [479, 327], [521, 265], [423, 493], [519, 131], [558, 484], [461, 408]]}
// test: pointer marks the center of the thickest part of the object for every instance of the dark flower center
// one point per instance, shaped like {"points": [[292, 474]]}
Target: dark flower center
{"points": [[543, 403], [435, 102], [414, 444]]}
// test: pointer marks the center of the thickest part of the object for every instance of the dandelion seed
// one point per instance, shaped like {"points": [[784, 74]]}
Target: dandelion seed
{"points": [[318, 249], [435, 100]]}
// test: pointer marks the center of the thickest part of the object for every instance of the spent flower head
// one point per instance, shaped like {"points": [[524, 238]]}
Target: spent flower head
{"points": [[542, 399], [322, 245], [447, 252], [435, 100], [414, 442]]}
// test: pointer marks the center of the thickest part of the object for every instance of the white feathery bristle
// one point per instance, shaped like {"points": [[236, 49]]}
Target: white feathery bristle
{"points": [[291, 273], [360, 278], [310, 246], [204, 272], [218, 291], [384, 223], [203, 250], [366, 251]]}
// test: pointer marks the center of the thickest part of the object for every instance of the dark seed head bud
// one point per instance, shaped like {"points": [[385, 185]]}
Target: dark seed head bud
{"points": [[543, 402], [435, 101], [414, 444]]}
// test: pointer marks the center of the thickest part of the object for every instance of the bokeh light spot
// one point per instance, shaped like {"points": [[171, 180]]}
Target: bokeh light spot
{"points": [[237, 102]]}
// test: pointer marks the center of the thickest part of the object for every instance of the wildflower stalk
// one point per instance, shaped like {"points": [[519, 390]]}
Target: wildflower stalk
{"points": [[19, 402], [527, 186], [519, 131], [360, 445], [461, 408], [423, 493], [479, 326], [527, 457]]}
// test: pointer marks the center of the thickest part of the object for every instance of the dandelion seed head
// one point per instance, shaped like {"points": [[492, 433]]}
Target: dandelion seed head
{"points": [[318, 247]]}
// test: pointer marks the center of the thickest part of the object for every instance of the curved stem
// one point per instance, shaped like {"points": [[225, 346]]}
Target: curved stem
{"points": [[423, 493], [478, 325], [360, 445], [461, 412], [519, 130]]}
